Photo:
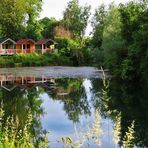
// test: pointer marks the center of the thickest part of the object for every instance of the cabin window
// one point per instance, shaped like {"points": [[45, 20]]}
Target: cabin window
{"points": [[6, 46], [52, 46], [28, 46], [23, 46], [11, 46], [44, 46]]}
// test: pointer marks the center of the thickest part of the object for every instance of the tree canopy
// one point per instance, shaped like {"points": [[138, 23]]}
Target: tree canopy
{"points": [[17, 16], [76, 18]]}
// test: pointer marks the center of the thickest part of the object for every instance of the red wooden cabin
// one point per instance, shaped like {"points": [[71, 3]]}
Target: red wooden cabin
{"points": [[25, 46]]}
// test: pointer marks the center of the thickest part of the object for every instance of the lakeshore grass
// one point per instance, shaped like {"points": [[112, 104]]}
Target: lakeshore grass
{"points": [[34, 59]]}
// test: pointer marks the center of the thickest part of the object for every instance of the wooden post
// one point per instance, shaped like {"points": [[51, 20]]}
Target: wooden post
{"points": [[13, 49], [22, 48], [42, 78], [42, 48], [1, 46], [25, 48], [22, 80]]}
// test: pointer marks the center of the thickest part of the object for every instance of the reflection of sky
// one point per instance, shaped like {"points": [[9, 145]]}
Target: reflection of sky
{"points": [[56, 121]]}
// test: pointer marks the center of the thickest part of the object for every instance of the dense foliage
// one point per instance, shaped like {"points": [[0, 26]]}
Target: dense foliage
{"points": [[34, 59], [123, 45], [76, 18], [119, 37], [18, 17]]}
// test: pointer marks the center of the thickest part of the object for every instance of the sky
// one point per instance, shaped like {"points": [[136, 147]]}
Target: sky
{"points": [[55, 8]]}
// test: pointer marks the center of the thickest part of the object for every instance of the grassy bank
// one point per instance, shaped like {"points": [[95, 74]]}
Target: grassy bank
{"points": [[34, 59]]}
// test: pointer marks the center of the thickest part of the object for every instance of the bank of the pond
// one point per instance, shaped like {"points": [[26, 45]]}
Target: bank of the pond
{"points": [[34, 59]]}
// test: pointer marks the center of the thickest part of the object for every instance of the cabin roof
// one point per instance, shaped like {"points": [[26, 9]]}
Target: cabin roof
{"points": [[3, 40], [24, 41], [44, 41]]}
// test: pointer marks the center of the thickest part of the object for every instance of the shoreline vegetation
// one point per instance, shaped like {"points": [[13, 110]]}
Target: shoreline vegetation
{"points": [[34, 59]]}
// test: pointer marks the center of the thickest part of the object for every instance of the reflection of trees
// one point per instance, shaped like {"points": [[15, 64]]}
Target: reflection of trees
{"points": [[18, 103], [71, 93], [96, 86], [97, 99], [129, 99]]}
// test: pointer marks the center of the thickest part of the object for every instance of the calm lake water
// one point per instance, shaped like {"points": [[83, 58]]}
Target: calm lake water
{"points": [[71, 102]]}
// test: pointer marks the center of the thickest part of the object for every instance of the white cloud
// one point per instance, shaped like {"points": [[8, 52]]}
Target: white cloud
{"points": [[55, 8]]}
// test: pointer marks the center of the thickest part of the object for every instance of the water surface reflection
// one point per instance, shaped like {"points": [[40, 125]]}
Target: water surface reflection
{"points": [[64, 104]]}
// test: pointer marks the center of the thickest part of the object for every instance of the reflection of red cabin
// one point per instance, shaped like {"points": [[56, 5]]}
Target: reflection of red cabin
{"points": [[10, 82], [25, 46]]}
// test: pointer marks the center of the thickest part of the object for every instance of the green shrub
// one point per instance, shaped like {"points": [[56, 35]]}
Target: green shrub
{"points": [[14, 136]]}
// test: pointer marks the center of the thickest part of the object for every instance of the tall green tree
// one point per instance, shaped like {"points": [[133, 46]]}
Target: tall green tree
{"points": [[34, 27], [122, 40], [49, 25], [130, 13], [33, 30], [12, 18], [76, 18], [134, 65], [113, 44], [97, 23], [16, 15]]}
